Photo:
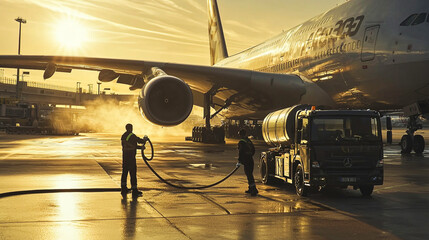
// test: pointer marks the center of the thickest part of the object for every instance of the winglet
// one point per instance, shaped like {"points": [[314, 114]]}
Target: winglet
{"points": [[217, 40]]}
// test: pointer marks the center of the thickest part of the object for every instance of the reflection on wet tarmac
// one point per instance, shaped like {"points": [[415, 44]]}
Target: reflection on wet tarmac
{"points": [[207, 166], [130, 209], [222, 212], [66, 181]]}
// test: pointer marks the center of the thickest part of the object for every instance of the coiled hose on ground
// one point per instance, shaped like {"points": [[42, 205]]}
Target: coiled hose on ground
{"points": [[146, 160]]}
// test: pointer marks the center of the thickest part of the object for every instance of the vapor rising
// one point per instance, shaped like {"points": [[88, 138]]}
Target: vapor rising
{"points": [[108, 116]]}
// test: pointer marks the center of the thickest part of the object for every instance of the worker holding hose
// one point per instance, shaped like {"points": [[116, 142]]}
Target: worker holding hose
{"points": [[129, 149], [246, 150]]}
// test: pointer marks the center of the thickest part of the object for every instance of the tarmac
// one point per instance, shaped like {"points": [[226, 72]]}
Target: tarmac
{"points": [[44, 167]]}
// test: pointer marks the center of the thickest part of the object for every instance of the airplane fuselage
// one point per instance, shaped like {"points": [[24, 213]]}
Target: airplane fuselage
{"points": [[358, 53]]}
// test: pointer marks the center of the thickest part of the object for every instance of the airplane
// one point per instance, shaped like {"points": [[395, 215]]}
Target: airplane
{"points": [[362, 54]]}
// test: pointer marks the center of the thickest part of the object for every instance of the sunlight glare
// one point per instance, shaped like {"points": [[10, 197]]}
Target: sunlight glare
{"points": [[70, 33]]}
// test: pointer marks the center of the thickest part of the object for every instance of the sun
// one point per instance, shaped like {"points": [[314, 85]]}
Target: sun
{"points": [[71, 34]]}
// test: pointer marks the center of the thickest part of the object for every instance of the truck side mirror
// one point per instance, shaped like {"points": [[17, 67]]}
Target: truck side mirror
{"points": [[298, 130]]}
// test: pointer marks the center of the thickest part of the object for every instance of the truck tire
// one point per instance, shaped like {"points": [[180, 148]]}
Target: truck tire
{"points": [[366, 190], [406, 144], [301, 189], [264, 169], [418, 144]]}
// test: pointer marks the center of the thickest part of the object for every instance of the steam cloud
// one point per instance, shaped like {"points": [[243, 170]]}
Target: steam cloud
{"points": [[109, 116]]}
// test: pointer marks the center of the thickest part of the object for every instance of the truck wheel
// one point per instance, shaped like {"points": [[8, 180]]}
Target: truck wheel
{"points": [[301, 189], [406, 144], [366, 190], [418, 144], [265, 171]]}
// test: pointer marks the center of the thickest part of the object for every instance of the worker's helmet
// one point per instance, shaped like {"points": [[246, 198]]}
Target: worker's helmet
{"points": [[129, 127]]}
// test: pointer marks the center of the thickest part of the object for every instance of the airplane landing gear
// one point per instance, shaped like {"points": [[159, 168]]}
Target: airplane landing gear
{"points": [[418, 144], [207, 133], [406, 144], [410, 141]]}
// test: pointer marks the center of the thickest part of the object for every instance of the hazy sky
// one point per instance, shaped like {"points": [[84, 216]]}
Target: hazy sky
{"points": [[156, 30]]}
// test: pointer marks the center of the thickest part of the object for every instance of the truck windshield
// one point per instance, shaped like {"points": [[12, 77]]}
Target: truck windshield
{"points": [[345, 129]]}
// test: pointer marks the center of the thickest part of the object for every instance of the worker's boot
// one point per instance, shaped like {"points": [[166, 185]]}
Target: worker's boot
{"points": [[124, 192], [136, 193], [253, 191]]}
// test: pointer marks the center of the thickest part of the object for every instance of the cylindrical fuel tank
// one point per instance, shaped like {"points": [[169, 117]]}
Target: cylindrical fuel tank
{"points": [[279, 126]]}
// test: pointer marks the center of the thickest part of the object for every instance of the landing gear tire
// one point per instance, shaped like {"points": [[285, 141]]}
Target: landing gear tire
{"points": [[265, 171], [418, 144], [406, 144], [366, 190], [301, 189]]}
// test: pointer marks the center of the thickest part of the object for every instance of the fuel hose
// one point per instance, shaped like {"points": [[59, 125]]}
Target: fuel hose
{"points": [[146, 160]]}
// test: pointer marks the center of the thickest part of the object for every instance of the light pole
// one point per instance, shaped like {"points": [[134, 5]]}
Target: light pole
{"points": [[90, 88], [78, 87], [20, 20], [99, 83]]}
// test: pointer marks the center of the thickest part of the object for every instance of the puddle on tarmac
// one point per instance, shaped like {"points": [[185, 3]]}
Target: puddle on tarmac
{"points": [[207, 166]]}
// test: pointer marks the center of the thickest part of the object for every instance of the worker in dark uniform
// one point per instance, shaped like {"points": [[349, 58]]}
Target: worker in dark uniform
{"points": [[129, 149], [246, 150]]}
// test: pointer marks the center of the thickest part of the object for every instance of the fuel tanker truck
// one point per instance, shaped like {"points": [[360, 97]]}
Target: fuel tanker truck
{"points": [[313, 149]]}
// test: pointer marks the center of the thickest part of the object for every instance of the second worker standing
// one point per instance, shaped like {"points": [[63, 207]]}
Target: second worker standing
{"points": [[246, 150]]}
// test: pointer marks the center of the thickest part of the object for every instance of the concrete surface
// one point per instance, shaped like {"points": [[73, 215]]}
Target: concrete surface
{"points": [[397, 210]]}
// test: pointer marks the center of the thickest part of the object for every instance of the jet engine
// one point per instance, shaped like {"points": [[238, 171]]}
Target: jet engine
{"points": [[166, 100]]}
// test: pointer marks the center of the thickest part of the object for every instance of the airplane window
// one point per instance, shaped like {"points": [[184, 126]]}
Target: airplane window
{"points": [[421, 18], [409, 20]]}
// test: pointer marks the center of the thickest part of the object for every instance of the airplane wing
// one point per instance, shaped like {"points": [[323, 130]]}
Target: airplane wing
{"points": [[243, 92]]}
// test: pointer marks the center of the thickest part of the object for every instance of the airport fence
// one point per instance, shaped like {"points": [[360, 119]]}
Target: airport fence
{"points": [[6, 80], [12, 81]]}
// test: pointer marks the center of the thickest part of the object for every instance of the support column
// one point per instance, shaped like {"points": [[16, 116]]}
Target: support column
{"points": [[207, 104]]}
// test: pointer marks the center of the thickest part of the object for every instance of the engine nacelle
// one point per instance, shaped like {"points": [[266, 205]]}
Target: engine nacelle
{"points": [[166, 100]]}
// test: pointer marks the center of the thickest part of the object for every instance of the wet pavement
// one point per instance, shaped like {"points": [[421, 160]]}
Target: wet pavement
{"points": [[397, 210]]}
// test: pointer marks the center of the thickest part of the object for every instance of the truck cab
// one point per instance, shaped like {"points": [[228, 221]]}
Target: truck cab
{"points": [[326, 148]]}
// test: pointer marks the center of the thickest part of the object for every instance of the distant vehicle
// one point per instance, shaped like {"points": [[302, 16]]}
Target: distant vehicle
{"points": [[36, 119], [363, 54], [322, 148]]}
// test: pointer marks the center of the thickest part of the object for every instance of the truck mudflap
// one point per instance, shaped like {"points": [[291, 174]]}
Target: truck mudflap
{"points": [[374, 177]]}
